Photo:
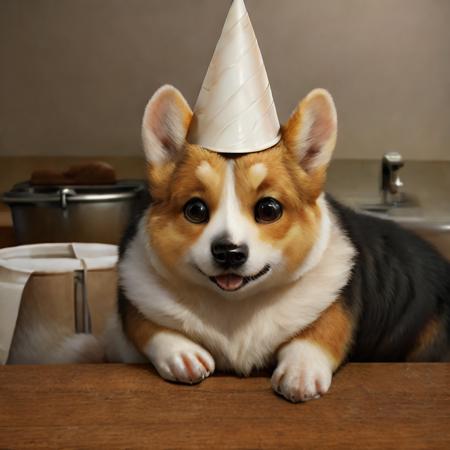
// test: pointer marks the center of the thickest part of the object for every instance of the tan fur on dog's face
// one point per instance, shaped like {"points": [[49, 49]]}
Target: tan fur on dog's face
{"points": [[292, 172], [295, 232], [199, 174]]}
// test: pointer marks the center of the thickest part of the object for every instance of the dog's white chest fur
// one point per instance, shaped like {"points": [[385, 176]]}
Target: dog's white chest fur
{"points": [[241, 334]]}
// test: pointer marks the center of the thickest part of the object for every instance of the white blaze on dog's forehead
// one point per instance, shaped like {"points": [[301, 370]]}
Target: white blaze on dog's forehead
{"points": [[229, 213], [228, 218], [257, 174], [206, 174]]}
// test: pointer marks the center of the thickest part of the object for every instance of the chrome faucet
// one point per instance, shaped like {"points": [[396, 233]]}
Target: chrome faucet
{"points": [[390, 179]]}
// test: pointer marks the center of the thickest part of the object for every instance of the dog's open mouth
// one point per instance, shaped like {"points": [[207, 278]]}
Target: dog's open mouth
{"points": [[232, 282]]}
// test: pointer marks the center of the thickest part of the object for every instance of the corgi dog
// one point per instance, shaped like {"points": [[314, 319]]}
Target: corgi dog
{"points": [[242, 262]]}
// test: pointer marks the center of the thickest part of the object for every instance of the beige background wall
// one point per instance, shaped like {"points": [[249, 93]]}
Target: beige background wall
{"points": [[75, 74]]}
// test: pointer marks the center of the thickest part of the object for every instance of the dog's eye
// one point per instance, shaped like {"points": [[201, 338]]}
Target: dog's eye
{"points": [[196, 211], [268, 210]]}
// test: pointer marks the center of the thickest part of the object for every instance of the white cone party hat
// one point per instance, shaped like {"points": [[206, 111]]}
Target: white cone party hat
{"points": [[235, 111]]}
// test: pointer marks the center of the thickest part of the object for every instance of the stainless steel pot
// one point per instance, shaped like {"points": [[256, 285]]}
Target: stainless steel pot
{"points": [[74, 213]]}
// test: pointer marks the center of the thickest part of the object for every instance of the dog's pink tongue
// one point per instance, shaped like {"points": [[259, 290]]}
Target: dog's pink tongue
{"points": [[229, 282]]}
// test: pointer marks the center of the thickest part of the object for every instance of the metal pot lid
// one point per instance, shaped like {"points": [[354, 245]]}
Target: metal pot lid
{"points": [[63, 194]]}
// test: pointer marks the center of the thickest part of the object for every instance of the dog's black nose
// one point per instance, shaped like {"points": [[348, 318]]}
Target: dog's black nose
{"points": [[227, 254]]}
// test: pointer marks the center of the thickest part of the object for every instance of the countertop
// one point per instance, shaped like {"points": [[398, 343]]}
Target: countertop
{"points": [[354, 182], [426, 183], [349, 180], [386, 406]]}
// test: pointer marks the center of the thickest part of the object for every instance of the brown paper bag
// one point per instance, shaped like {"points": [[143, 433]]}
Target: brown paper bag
{"points": [[50, 292]]}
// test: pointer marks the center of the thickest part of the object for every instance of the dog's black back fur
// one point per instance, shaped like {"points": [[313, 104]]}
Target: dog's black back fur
{"points": [[398, 284]]}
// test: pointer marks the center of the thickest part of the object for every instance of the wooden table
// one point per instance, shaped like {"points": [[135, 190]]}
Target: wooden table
{"points": [[116, 406]]}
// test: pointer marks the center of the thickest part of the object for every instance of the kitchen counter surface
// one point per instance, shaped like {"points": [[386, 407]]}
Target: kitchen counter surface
{"points": [[354, 182], [350, 180], [426, 183], [388, 406]]}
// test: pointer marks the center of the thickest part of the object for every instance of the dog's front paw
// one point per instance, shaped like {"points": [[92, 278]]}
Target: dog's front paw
{"points": [[303, 373], [176, 358]]}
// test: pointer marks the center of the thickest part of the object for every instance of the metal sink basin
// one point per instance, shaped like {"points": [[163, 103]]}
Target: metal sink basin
{"points": [[425, 208], [407, 206]]}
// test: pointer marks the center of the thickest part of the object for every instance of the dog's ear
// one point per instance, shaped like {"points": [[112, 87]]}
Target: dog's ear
{"points": [[165, 125], [311, 130]]}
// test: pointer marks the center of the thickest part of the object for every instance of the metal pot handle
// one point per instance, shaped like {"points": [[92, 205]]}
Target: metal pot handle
{"points": [[66, 195], [63, 194]]}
